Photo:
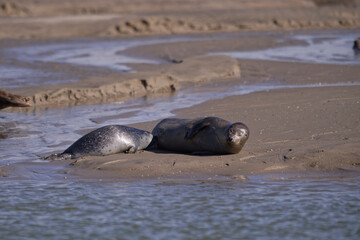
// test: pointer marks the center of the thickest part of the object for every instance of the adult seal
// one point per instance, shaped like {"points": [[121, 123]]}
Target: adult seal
{"points": [[210, 134], [107, 140]]}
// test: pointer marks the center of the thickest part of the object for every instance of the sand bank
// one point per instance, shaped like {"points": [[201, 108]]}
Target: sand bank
{"points": [[159, 80]]}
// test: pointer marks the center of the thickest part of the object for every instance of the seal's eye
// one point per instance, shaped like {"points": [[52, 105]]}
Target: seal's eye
{"points": [[244, 133]]}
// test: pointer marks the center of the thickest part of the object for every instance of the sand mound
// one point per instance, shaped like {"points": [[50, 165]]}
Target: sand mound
{"points": [[114, 91], [166, 25], [110, 88]]}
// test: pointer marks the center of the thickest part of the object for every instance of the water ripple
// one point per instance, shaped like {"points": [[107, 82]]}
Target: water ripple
{"points": [[301, 209]]}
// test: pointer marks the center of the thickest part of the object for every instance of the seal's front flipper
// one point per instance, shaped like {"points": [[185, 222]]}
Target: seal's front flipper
{"points": [[132, 149], [204, 123]]}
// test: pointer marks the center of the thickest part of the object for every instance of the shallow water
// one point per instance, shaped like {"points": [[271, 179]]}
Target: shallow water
{"points": [[65, 62], [54, 63], [49, 207], [326, 48], [312, 208]]}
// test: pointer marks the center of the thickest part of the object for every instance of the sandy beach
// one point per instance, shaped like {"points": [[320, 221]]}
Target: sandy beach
{"points": [[310, 129]]}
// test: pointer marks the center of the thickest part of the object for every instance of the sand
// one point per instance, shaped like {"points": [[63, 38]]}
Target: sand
{"points": [[293, 131], [54, 19]]}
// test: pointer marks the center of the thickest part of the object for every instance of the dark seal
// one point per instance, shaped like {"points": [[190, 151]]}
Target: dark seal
{"points": [[210, 134]]}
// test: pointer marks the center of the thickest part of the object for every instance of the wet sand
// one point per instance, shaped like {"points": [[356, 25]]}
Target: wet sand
{"points": [[297, 131]]}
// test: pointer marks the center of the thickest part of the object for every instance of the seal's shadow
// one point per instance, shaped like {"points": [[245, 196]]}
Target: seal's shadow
{"points": [[200, 154]]}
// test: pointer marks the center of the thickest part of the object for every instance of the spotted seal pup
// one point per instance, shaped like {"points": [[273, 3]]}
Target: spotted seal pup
{"points": [[107, 140], [209, 134]]}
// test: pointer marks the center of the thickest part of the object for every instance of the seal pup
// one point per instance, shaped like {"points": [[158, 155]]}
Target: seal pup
{"points": [[106, 140], [210, 134]]}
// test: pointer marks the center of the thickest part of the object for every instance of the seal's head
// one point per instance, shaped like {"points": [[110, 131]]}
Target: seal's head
{"points": [[237, 134], [146, 139]]}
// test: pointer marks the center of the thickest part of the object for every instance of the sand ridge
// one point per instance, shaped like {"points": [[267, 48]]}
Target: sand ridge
{"points": [[117, 86]]}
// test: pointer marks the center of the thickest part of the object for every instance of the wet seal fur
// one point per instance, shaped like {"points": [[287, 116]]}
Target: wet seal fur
{"points": [[106, 140], [201, 135]]}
